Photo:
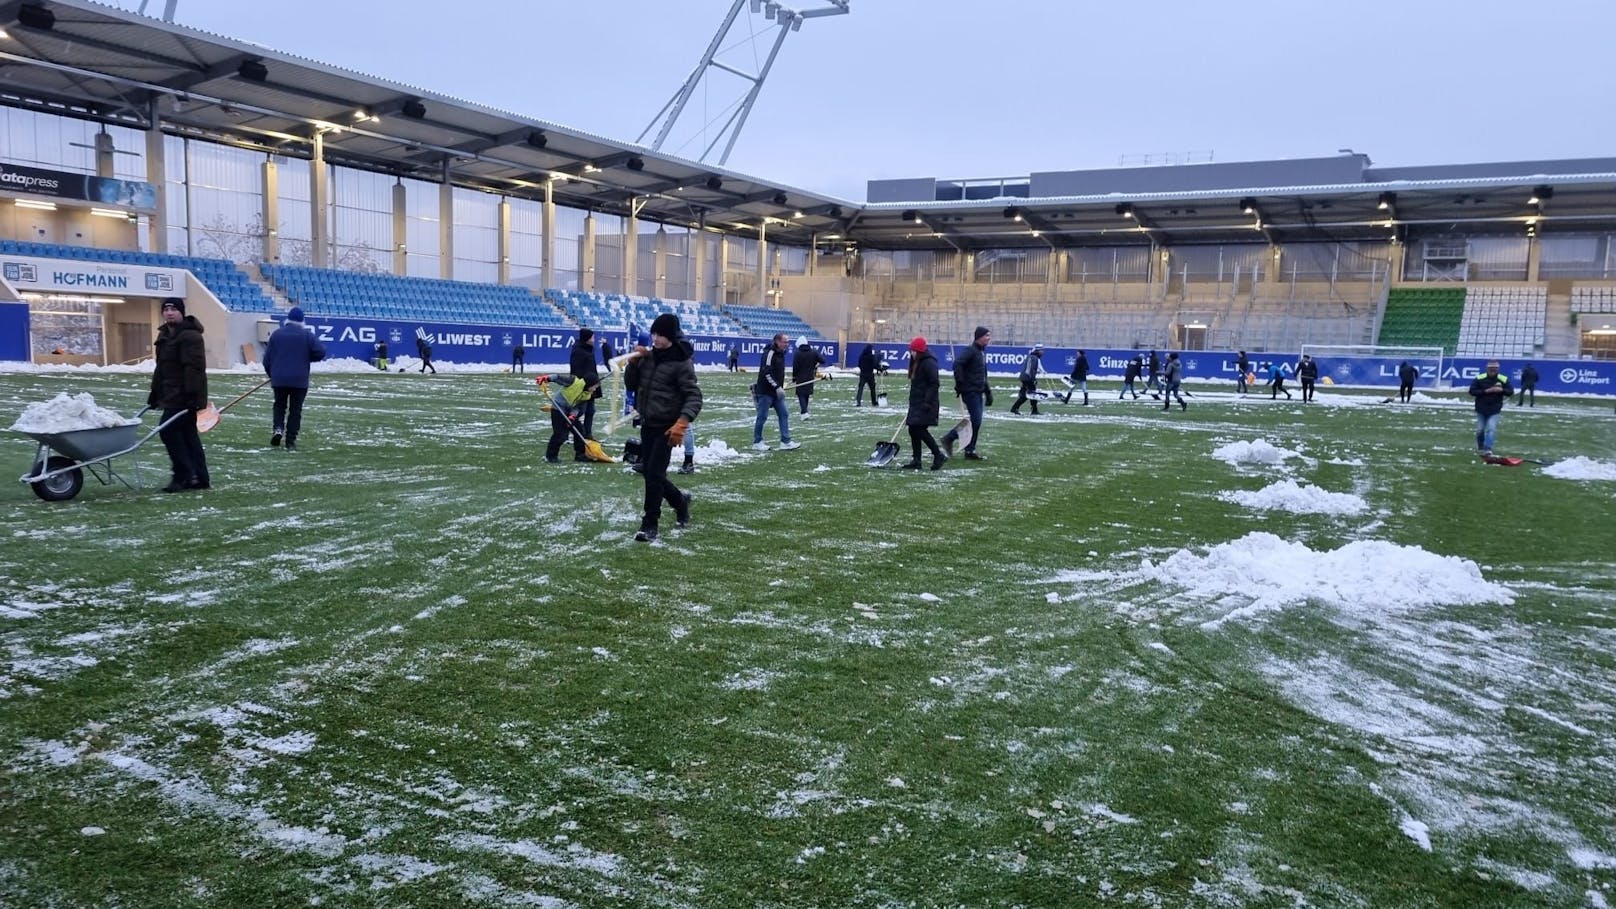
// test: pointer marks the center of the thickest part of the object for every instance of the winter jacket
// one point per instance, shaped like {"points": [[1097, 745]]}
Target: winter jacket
{"points": [[1529, 377], [866, 363], [971, 370], [180, 380], [1276, 373], [1308, 370], [582, 364], [923, 382], [1489, 404], [291, 349], [1155, 364], [805, 364], [1134, 369], [1407, 373], [771, 371], [1029, 367], [665, 384], [1175, 372], [568, 393], [1243, 364], [1080, 369]]}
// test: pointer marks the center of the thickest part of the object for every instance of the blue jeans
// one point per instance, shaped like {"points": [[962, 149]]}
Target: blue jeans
{"points": [[1486, 429], [778, 403]]}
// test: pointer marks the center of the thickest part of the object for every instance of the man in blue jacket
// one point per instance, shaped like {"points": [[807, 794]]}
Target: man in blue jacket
{"points": [[1490, 390], [286, 360]]}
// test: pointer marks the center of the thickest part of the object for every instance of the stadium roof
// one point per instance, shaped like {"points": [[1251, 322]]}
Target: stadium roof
{"points": [[84, 59]]}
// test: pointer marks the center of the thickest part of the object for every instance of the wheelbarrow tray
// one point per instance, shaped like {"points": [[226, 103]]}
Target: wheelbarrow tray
{"points": [[90, 444]]}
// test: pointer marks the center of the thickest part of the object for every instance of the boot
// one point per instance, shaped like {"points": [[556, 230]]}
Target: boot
{"points": [[913, 465], [1085, 399], [938, 459], [1034, 408], [1183, 406]]}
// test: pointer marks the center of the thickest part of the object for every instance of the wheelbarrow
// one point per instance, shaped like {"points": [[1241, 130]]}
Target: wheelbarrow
{"points": [[63, 457]]}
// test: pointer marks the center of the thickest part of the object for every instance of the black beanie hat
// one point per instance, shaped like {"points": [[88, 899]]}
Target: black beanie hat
{"points": [[666, 325], [176, 302], [980, 331], [585, 335]]}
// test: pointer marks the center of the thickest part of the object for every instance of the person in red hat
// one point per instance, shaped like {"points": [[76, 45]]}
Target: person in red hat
{"points": [[923, 405]]}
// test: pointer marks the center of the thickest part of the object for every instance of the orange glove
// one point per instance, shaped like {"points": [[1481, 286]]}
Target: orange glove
{"points": [[676, 432]]}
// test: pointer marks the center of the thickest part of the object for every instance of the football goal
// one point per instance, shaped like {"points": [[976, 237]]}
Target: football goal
{"points": [[1375, 364]]}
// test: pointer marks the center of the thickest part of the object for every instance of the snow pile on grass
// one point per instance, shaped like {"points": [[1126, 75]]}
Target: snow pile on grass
{"points": [[1288, 495], [66, 413], [716, 451], [1580, 468], [1258, 452], [1266, 573]]}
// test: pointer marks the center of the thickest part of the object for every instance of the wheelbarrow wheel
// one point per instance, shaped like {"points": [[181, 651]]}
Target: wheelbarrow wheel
{"points": [[61, 487]]}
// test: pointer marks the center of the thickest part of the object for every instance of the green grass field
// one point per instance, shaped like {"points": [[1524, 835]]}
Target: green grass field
{"points": [[413, 665]]}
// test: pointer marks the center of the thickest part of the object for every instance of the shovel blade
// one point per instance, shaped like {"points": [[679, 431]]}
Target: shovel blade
{"points": [[594, 452], [883, 454], [881, 399], [207, 418]]}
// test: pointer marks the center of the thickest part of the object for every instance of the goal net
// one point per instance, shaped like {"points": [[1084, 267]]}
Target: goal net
{"points": [[1375, 364]]}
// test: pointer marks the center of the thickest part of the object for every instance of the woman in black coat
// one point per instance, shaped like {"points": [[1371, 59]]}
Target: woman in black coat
{"points": [[923, 406]]}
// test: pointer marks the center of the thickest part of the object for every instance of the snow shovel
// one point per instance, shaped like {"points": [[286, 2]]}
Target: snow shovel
{"points": [[885, 451], [592, 449], [208, 417], [963, 432]]}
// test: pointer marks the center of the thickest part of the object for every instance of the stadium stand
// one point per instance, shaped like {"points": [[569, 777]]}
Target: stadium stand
{"points": [[614, 312], [1593, 299], [228, 282], [331, 292], [764, 321], [1423, 317], [1502, 321]]}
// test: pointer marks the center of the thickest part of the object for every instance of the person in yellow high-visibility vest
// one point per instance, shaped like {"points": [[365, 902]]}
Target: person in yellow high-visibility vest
{"points": [[568, 394]]}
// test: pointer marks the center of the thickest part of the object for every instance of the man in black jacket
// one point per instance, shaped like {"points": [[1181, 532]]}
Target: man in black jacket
{"points": [[668, 399], [866, 368], [1490, 390], [771, 395], [1242, 365], [1406, 374], [1080, 378], [1528, 386], [971, 385], [180, 387], [581, 363], [1307, 370], [805, 365]]}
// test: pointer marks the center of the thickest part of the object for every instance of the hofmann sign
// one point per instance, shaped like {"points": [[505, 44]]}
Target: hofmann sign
{"points": [[79, 277], [56, 184]]}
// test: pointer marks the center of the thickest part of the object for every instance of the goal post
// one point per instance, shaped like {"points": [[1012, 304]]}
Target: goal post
{"points": [[1376, 364]]}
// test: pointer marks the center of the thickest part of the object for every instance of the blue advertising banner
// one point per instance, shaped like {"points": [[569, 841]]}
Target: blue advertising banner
{"points": [[14, 332], [1554, 376], [459, 343]]}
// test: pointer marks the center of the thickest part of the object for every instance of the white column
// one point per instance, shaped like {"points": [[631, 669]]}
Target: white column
{"points": [[763, 263], [504, 240], [157, 176], [586, 268], [319, 218], [659, 263], [401, 229], [631, 248], [271, 211], [698, 254], [547, 225], [446, 224]]}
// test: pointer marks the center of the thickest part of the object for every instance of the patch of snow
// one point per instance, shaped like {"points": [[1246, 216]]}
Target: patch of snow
{"points": [[1288, 495], [67, 413], [1580, 468], [1416, 831], [1257, 452]]}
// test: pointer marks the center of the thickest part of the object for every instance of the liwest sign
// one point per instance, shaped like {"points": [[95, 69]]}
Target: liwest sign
{"points": [[58, 184], [72, 276]]}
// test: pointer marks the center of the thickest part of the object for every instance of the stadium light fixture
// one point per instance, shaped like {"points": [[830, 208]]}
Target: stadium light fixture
{"points": [[1387, 200], [38, 206], [3, 35], [1540, 194], [109, 213], [1248, 205], [1013, 213], [1125, 209]]}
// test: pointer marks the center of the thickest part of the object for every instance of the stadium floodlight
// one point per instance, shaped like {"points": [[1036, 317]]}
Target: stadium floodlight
{"points": [[1540, 194], [911, 215], [1125, 209], [1013, 213], [1248, 205], [1387, 200]]}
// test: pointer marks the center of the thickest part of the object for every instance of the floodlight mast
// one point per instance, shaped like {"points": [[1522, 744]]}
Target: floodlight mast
{"points": [[168, 9], [788, 20]]}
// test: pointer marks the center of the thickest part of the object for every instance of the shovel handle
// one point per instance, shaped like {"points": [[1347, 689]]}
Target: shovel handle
{"points": [[238, 398]]}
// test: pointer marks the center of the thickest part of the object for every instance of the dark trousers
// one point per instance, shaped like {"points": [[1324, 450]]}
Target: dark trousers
{"points": [[918, 436], [1527, 392], [1028, 388], [973, 409], [803, 394], [588, 420], [1278, 388], [1307, 389], [184, 444], [1405, 392], [655, 452], [858, 396], [559, 433], [516, 363], [1240, 381], [426, 362], [289, 411]]}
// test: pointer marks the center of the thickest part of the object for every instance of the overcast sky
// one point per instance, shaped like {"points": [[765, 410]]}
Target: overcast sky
{"points": [[956, 88]]}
